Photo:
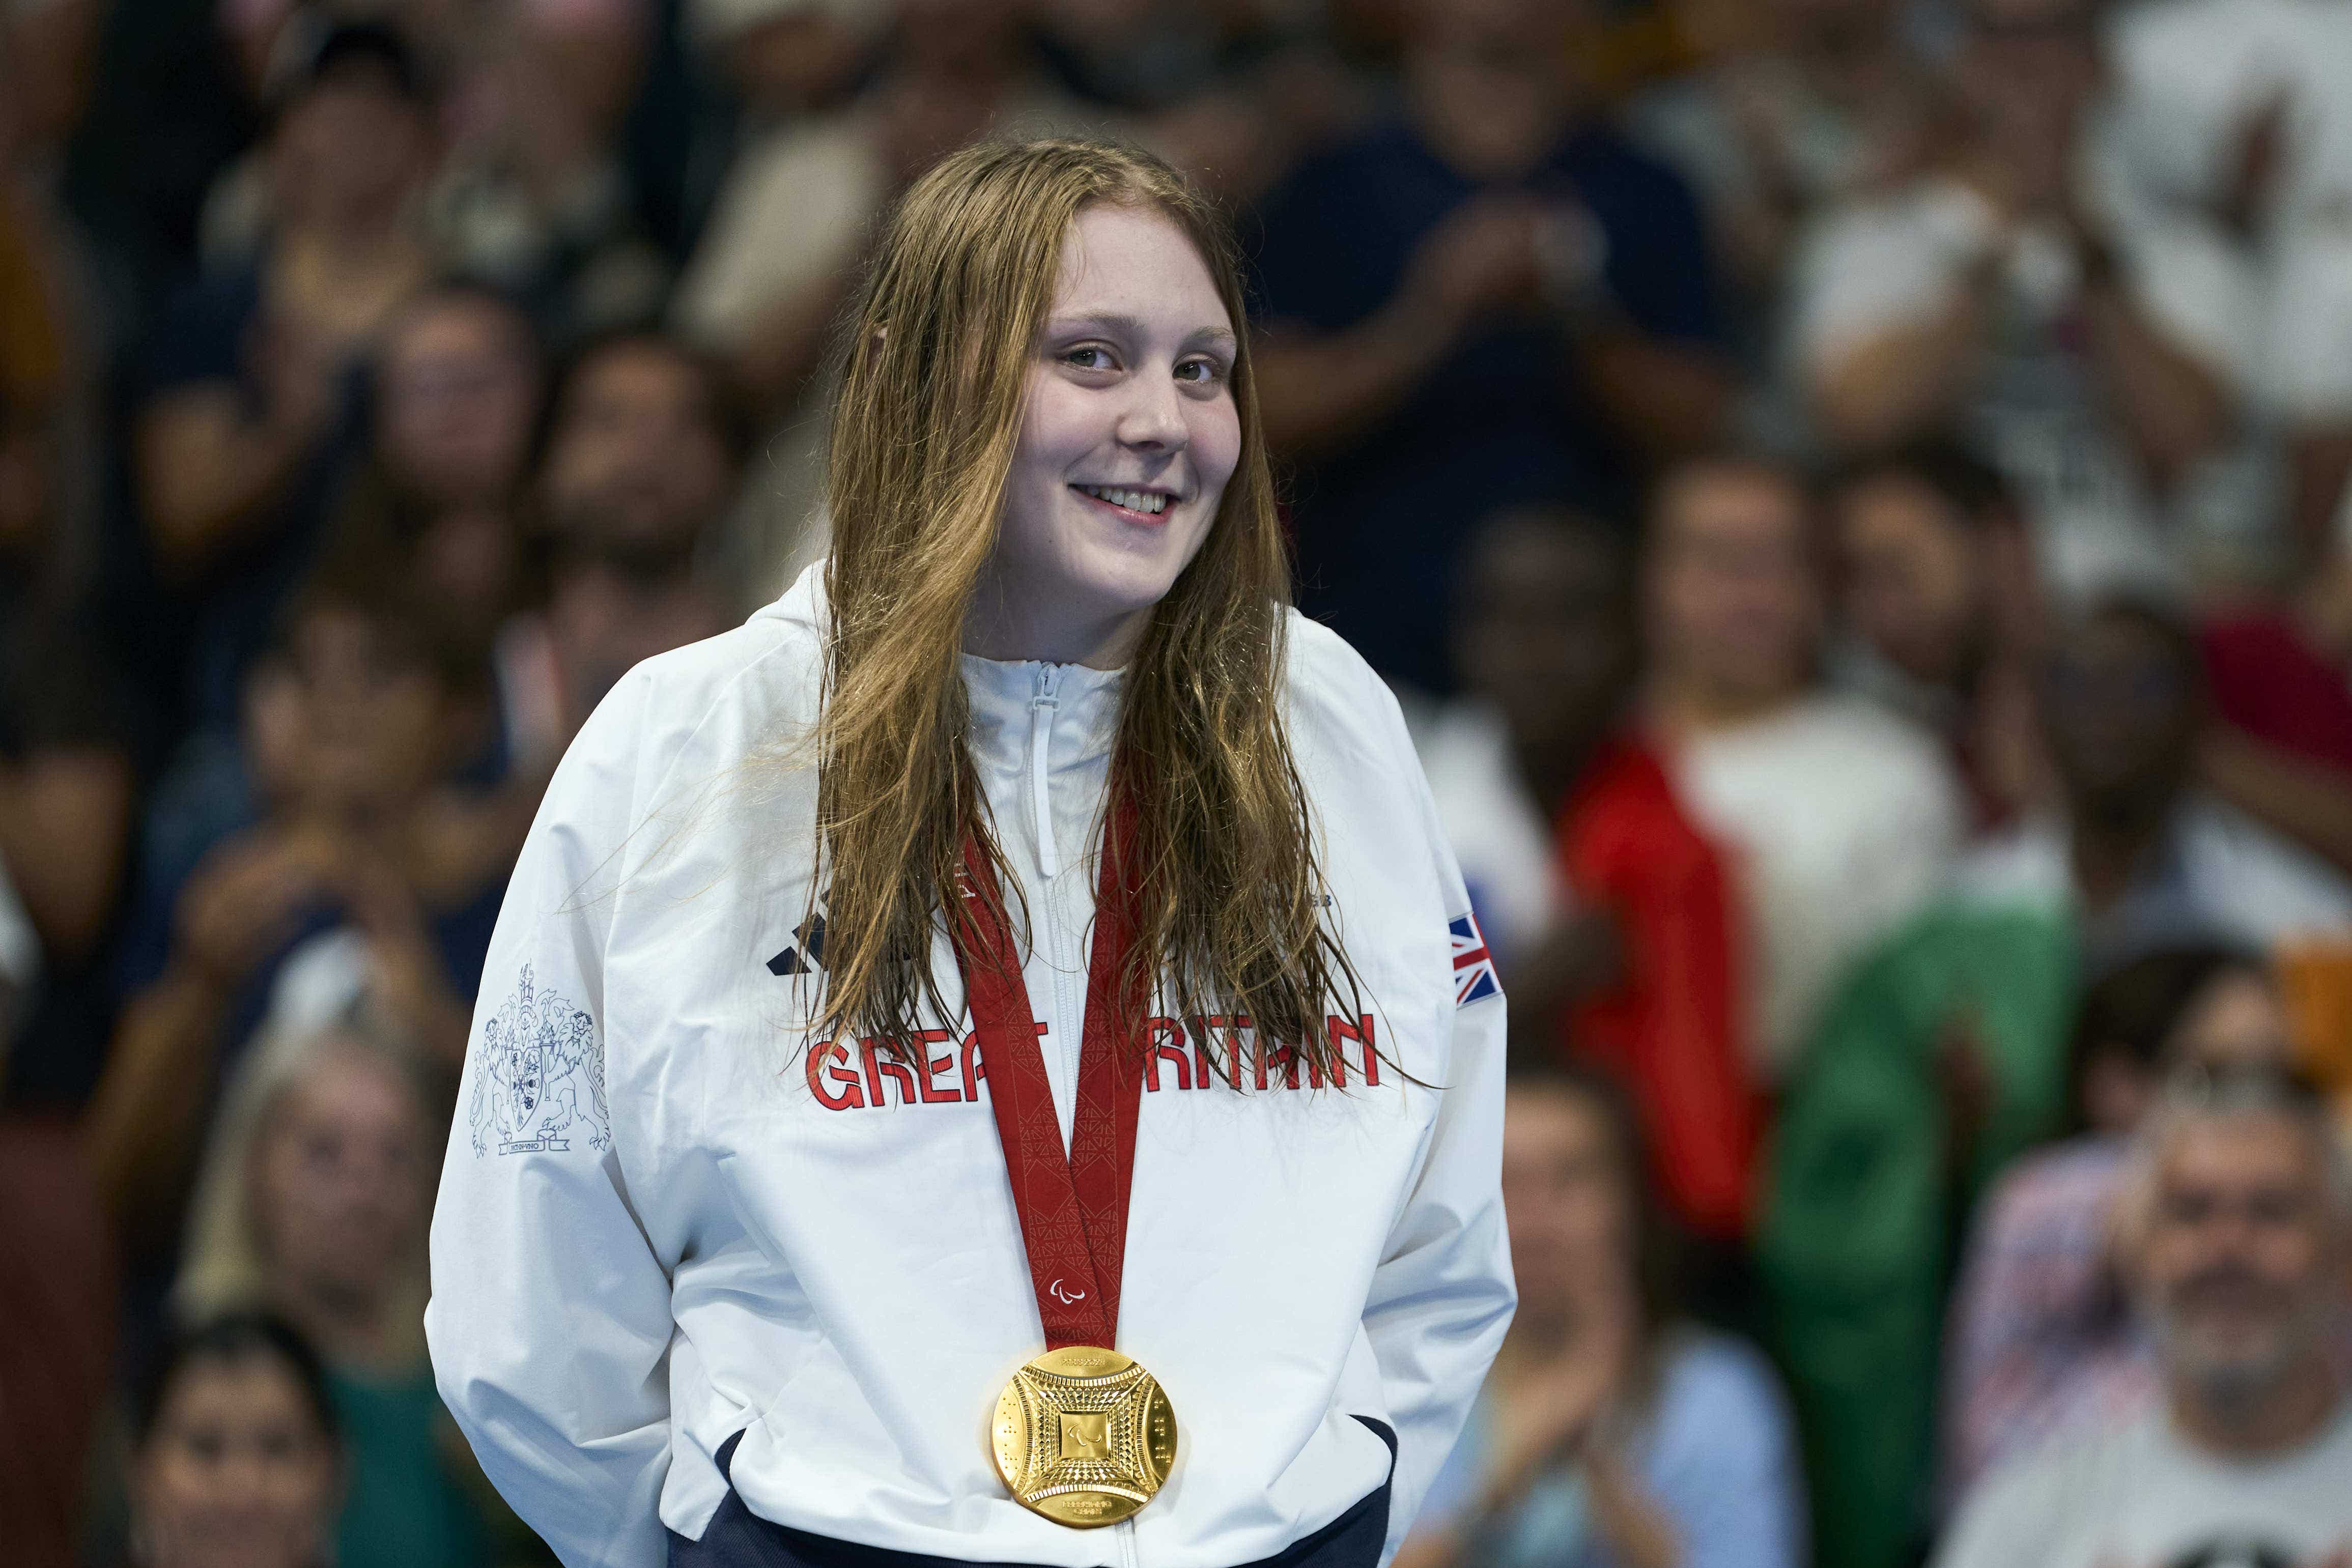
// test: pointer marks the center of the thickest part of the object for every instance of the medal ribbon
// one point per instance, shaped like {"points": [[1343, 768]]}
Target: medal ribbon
{"points": [[1072, 1209]]}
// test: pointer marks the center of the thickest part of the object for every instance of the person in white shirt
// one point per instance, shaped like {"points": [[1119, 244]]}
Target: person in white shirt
{"points": [[1840, 818], [2238, 1228], [2231, 117], [745, 1233], [2022, 291]]}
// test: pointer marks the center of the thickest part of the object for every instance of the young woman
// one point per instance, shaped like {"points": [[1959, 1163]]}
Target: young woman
{"points": [[235, 1459], [312, 1203], [1613, 1435], [996, 1045]]}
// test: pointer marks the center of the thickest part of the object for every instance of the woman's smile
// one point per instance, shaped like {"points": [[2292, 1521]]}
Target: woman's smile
{"points": [[1144, 505]]}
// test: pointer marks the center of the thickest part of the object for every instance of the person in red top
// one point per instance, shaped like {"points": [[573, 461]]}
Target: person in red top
{"points": [[1633, 960], [2280, 681], [1669, 1022]]}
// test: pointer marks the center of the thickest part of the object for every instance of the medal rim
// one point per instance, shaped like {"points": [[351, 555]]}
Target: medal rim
{"points": [[1105, 1363]]}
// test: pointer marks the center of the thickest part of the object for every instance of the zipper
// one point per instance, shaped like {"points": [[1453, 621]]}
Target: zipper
{"points": [[1042, 706], [1062, 957], [1066, 1021]]}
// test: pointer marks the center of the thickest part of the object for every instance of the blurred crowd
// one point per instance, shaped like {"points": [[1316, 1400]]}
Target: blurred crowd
{"points": [[1851, 497]]}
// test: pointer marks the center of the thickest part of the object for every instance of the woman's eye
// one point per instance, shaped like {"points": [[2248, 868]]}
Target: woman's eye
{"points": [[1205, 372], [1090, 356]]}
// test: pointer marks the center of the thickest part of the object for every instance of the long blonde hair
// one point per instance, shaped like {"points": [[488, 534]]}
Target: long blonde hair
{"points": [[934, 369]]}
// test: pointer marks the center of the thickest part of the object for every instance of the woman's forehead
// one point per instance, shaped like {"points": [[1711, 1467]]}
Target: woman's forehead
{"points": [[1136, 264]]}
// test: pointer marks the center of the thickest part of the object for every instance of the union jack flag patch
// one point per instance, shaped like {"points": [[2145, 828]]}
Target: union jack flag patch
{"points": [[1474, 967]]}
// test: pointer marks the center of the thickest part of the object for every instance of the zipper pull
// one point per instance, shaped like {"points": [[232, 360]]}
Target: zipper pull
{"points": [[1041, 735]]}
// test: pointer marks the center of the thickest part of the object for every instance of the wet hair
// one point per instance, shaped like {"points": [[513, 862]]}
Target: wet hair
{"points": [[2133, 1010], [233, 1339]]}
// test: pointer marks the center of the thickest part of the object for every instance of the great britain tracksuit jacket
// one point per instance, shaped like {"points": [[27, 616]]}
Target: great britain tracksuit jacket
{"points": [[666, 1222]]}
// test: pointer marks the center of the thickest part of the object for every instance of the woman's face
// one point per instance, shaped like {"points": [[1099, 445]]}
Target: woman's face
{"points": [[1129, 436], [339, 1180], [1570, 1217], [237, 1472]]}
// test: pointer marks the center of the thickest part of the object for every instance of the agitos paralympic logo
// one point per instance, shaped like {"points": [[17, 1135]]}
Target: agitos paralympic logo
{"points": [[874, 1077]]}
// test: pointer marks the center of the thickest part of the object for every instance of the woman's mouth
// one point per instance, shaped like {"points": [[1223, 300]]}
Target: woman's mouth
{"points": [[1133, 506]]}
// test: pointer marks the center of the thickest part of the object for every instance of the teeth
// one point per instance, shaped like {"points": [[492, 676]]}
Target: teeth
{"points": [[1149, 501]]}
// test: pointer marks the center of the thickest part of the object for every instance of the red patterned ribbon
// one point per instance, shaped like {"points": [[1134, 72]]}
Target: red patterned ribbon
{"points": [[1072, 1209]]}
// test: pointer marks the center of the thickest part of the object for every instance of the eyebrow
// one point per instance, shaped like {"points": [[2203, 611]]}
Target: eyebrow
{"points": [[1133, 326]]}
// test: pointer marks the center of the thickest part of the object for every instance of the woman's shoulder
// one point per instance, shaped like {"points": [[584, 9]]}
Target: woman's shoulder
{"points": [[1332, 691]]}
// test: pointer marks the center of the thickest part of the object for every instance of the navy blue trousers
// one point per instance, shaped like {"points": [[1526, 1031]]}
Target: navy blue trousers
{"points": [[738, 1538]]}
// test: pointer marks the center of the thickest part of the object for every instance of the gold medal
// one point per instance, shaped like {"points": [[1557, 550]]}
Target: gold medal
{"points": [[1082, 1436]]}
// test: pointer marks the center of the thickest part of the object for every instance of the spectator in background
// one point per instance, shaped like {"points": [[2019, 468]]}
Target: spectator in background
{"points": [[1610, 914], [1491, 300], [1840, 819], [535, 196], [1610, 1432], [2134, 849], [2042, 1339], [1543, 635], [312, 1202], [2238, 1236], [1234, 94], [236, 1453], [606, 614], [458, 387], [2230, 120], [1815, 101], [1941, 604], [330, 896], [1938, 1060], [2086, 346], [644, 448], [246, 416]]}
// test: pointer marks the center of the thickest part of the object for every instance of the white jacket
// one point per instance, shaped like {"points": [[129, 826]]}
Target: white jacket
{"points": [[664, 1221]]}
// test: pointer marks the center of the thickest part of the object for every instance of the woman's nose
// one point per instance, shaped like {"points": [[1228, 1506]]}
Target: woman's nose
{"points": [[1154, 419]]}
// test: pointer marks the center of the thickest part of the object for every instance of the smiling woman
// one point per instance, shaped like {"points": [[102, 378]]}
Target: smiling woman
{"points": [[1127, 440], [1138, 1053]]}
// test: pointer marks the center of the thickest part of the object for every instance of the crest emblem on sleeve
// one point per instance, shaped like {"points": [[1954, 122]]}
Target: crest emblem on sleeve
{"points": [[539, 1076]]}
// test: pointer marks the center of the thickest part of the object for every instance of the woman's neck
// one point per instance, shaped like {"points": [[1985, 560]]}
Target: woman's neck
{"points": [[1001, 627]]}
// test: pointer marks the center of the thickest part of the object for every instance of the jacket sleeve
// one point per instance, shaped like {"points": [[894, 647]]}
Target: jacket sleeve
{"points": [[1442, 1295], [550, 1320]]}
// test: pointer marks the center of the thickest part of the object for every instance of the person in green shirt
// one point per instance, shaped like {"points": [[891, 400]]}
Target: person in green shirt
{"points": [[1940, 1059]]}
